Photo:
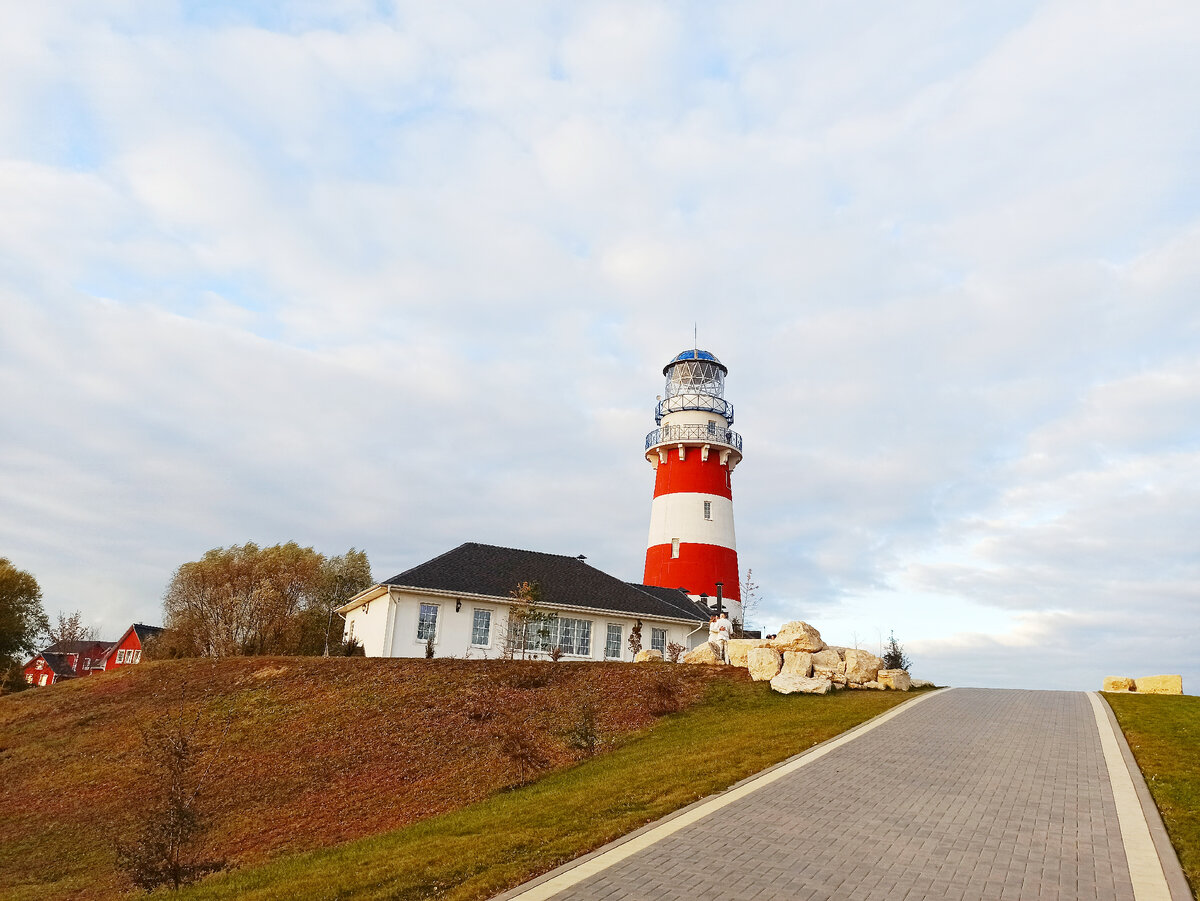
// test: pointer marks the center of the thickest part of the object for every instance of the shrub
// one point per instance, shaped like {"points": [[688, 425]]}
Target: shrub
{"points": [[585, 734], [429, 648], [893, 654], [175, 763], [674, 651], [635, 638]]}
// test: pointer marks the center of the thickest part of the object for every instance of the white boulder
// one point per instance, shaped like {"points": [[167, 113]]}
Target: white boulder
{"points": [[797, 636], [787, 684], [797, 663], [764, 663]]}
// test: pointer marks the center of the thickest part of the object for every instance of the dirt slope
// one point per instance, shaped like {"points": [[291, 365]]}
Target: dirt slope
{"points": [[317, 751]]}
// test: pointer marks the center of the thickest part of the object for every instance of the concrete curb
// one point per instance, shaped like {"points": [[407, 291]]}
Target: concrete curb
{"points": [[1177, 882]]}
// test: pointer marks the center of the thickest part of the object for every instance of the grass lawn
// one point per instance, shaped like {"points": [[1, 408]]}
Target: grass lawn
{"points": [[1163, 732], [502, 841]]}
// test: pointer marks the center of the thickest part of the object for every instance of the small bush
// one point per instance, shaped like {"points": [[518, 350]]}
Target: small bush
{"points": [[674, 651], [663, 695], [556, 654], [429, 648], [517, 742], [893, 654], [585, 733]]}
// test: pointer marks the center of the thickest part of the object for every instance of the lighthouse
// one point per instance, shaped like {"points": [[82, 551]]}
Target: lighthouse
{"points": [[694, 451]]}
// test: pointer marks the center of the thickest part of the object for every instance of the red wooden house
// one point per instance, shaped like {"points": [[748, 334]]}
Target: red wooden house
{"points": [[71, 659]]}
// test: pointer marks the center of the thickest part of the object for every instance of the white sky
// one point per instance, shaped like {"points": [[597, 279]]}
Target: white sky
{"points": [[399, 277]]}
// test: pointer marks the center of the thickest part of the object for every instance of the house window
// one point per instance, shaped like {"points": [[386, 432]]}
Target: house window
{"points": [[137, 656], [121, 656], [574, 636], [481, 628], [674, 548], [39, 663], [87, 662], [658, 640], [708, 509], [45, 679], [427, 622], [612, 642], [29, 678]]}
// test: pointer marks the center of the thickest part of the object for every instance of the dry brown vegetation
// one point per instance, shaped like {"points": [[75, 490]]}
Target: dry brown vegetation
{"points": [[319, 751]]}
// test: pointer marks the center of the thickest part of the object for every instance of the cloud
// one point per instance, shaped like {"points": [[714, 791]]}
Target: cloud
{"points": [[400, 279]]}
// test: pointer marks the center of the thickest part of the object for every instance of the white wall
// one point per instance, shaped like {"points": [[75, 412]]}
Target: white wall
{"points": [[389, 628]]}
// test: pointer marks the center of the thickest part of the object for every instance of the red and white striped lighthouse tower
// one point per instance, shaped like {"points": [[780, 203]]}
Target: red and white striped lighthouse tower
{"points": [[693, 452]]}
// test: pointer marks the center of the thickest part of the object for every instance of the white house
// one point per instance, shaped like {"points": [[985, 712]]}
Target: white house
{"points": [[462, 600]]}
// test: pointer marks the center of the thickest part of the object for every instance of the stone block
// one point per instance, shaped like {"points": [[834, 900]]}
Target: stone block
{"points": [[1117, 683], [649, 655], [861, 666], [896, 679], [739, 648], [797, 663], [764, 664], [797, 636], [786, 684], [1159, 685], [827, 663], [708, 653]]}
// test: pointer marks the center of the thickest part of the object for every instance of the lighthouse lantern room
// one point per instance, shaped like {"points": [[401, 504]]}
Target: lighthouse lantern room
{"points": [[694, 451]]}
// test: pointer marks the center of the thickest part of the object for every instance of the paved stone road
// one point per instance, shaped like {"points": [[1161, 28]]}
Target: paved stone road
{"points": [[971, 794]]}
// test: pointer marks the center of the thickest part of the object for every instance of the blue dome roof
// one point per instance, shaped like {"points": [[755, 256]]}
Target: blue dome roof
{"points": [[686, 355]]}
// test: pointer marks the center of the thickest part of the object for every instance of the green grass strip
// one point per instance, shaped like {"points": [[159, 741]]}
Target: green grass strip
{"points": [[1163, 732], [498, 843]]}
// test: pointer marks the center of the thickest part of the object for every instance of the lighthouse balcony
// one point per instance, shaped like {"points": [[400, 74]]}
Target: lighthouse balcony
{"points": [[694, 401], [694, 433]]}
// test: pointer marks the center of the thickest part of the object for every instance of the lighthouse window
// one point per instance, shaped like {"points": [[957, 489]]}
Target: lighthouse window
{"points": [[612, 641], [708, 509], [427, 622], [674, 547], [712, 427], [658, 640]]}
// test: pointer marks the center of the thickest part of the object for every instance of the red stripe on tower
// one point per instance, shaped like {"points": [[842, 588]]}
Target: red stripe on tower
{"points": [[694, 451]]}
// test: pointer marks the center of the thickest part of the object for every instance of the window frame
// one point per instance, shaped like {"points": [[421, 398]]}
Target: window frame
{"points": [[665, 635], [475, 611], [620, 640], [437, 619], [708, 510]]}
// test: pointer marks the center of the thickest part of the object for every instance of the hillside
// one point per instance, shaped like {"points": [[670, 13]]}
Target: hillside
{"points": [[316, 751]]}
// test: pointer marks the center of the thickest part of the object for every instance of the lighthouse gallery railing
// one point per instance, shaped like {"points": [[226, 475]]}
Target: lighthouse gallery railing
{"points": [[694, 432]]}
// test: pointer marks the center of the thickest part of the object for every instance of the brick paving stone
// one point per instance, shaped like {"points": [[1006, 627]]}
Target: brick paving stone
{"points": [[972, 795]]}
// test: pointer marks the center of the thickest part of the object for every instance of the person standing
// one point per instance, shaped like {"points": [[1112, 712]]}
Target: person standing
{"points": [[724, 629]]}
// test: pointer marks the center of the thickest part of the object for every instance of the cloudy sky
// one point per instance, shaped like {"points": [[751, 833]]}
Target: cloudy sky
{"points": [[399, 276]]}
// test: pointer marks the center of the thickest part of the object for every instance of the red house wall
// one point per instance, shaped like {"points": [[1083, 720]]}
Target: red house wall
{"points": [[129, 647], [32, 670]]}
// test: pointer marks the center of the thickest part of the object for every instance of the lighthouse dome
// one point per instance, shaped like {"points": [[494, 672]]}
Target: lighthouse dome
{"points": [[695, 354]]}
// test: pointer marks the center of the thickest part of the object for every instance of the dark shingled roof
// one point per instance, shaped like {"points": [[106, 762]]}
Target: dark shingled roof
{"points": [[144, 632], [489, 570], [58, 663], [84, 648], [677, 597]]}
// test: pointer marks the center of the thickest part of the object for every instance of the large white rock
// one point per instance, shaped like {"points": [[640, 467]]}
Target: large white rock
{"points": [[1117, 683], [764, 664], [827, 664], [1159, 685], [797, 663], [897, 679], [797, 636], [649, 655], [739, 649], [708, 653], [787, 684], [861, 666], [921, 683]]}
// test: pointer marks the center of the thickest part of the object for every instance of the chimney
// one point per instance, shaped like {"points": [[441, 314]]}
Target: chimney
{"points": [[720, 589]]}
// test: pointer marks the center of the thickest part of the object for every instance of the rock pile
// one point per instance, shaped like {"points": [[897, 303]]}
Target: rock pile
{"points": [[797, 660], [1147, 685]]}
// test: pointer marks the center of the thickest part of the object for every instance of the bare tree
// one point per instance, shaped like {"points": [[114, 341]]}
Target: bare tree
{"points": [[527, 628], [70, 627], [175, 764], [635, 638], [750, 602]]}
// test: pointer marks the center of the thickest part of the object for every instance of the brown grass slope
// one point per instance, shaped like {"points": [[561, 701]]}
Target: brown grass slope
{"points": [[318, 751]]}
